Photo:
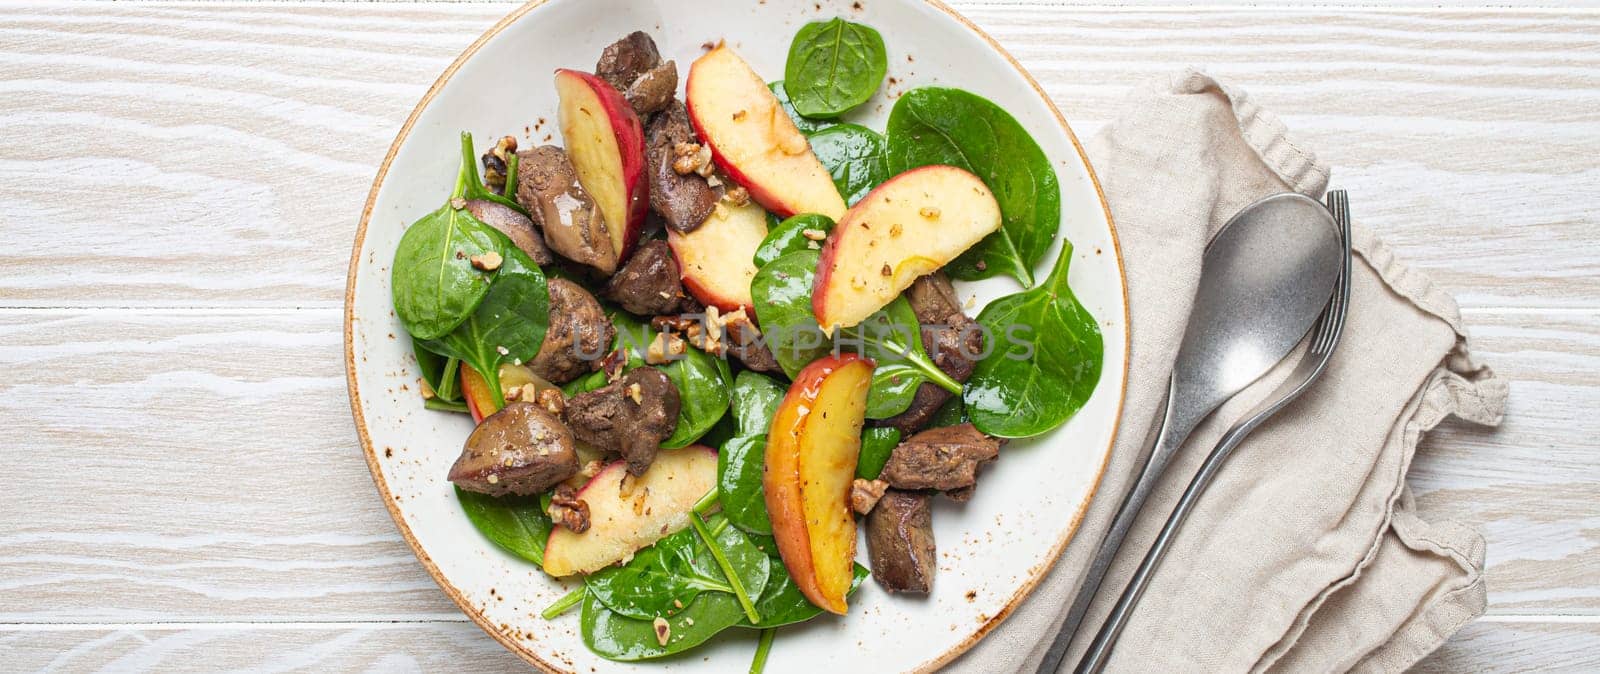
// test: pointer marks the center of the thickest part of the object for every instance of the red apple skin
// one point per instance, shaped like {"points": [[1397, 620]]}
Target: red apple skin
{"points": [[630, 142], [766, 195]]}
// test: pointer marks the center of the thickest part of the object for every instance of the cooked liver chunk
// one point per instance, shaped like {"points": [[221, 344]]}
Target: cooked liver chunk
{"points": [[522, 449], [547, 185], [514, 225], [940, 458], [649, 284], [625, 60], [630, 416], [900, 542], [684, 201], [579, 334]]}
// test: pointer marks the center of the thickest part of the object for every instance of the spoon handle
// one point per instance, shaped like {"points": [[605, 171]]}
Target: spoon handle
{"points": [[1099, 651], [1167, 436]]}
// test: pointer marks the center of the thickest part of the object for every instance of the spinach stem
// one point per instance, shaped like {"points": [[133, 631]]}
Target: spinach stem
{"points": [[727, 569], [449, 380], [762, 648], [706, 502], [932, 371], [511, 176], [445, 406], [567, 601]]}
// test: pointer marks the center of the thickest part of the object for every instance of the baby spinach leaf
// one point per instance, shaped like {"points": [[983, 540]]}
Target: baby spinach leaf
{"points": [[1030, 387], [790, 235], [855, 156], [952, 413], [740, 465], [806, 125], [439, 371], [614, 636], [893, 336], [876, 446], [782, 294], [755, 400], [894, 387], [782, 604], [515, 523], [935, 125], [509, 323], [834, 66], [703, 381], [721, 432], [661, 578], [435, 285]]}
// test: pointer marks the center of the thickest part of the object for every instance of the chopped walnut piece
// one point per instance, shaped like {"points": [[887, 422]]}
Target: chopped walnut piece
{"points": [[737, 196], [814, 234], [665, 348], [663, 630], [489, 261], [551, 400], [568, 510], [887, 270], [427, 389], [864, 494], [713, 181], [591, 469], [929, 212], [634, 394], [613, 364]]}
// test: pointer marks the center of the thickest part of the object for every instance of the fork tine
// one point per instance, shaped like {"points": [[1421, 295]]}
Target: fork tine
{"points": [[1338, 203]]}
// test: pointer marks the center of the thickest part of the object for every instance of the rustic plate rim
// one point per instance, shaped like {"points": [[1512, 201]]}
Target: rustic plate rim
{"points": [[477, 616]]}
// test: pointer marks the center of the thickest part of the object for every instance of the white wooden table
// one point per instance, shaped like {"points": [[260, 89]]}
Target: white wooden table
{"points": [[179, 185]]}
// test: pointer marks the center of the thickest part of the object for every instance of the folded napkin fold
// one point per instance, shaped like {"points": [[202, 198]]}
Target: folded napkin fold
{"points": [[1307, 553]]}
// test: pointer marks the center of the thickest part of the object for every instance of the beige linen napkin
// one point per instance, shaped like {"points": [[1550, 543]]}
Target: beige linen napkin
{"points": [[1307, 553]]}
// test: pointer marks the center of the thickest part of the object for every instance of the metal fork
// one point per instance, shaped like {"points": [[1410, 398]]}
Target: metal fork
{"points": [[1325, 338]]}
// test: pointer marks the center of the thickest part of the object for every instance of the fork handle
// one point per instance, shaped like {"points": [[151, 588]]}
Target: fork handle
{"points": [[1094, 659], [1170, 432]]}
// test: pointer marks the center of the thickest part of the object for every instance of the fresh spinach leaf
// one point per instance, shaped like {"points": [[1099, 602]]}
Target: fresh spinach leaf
{"points": [[614, 636], [782, 294], [782, 604], [876, 446], [894, 387], [893, 336], [515, 523], [790, 235], [509, 323], [855, 156], [834, 66], [668, 575], [952, 413], [755, 401], [1047, 372], [438, 371], [703, 381], [935, 125], [721, 432], [740, 464], [435, 285], [806, 125]]}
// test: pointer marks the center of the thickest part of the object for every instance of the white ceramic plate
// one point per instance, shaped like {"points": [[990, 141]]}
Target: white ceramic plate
{"points": [[992, 550]]}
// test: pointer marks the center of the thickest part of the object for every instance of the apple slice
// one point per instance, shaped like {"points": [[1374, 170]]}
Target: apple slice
{"points": [[908, 227], [716, 258], [753, 140], [606, 144], [811, 456], [627, 513], [480, 401]]}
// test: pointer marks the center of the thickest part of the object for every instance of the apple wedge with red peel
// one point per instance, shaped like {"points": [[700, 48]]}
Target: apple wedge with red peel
{"points": [[480, 401], [906, 228], [605, 141], [754, 141], [628, 513], [811, 455], [716, 259]]}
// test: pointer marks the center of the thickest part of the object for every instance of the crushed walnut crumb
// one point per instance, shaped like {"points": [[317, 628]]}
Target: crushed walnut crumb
{"points": [[929, 212], [737, 195], [634, 394], [864, 494], [567, 510], [427, 389], [813, 234], [551, 400], [886, 271], [489, 261], [665, 348]]}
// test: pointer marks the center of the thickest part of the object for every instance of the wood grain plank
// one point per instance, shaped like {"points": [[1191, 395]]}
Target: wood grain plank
{"points": [[235, 144], [1534, 646]]}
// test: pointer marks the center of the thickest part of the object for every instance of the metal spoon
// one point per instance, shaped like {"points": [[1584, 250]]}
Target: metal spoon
{"points": [[1264, 279], [1324, 339]]}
